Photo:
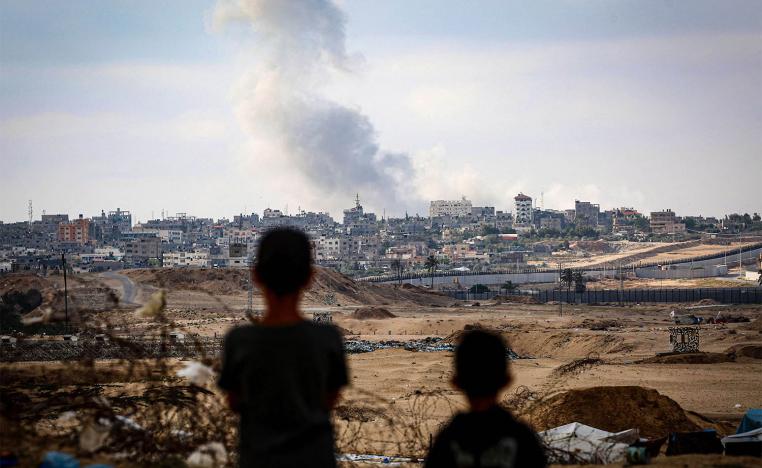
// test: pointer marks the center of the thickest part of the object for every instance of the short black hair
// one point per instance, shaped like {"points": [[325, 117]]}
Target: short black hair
{"points": [[284, 261], [481, 367]]}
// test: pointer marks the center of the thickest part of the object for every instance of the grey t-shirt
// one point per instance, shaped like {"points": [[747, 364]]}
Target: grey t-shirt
{"points": [[282, 376]]}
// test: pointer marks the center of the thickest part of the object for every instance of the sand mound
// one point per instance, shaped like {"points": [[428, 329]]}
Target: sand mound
{"points": [[216, 281], [328, 286], [564, 345], [612, 409], [689, 358], [455, 337], [515, 299], [370, 313], [746, 350], [23, 282], [755, 325]]}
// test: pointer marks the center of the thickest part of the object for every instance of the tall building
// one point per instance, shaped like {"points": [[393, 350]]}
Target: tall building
{"points": [[454, 208], [77, 231], [523, 209], [665, 222], [586, 213]]}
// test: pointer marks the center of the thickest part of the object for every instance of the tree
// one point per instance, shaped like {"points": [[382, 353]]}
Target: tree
{"points": [[567, 277], [431, 264], [508, 286], [579, 282], [397, 269], [478, 289]]}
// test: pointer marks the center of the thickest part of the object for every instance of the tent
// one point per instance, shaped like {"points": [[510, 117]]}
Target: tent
{"points": [[751, 420], [745, 443], [576, 442]]}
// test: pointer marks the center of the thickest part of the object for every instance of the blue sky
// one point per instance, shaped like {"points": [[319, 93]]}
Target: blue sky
{"points": [[138, 105]]}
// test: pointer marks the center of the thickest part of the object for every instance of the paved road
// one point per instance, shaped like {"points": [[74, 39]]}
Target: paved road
{"points": [[126, 286]]}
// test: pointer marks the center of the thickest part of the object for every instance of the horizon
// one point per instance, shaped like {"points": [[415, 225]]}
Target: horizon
{"points": [[636, 104]]}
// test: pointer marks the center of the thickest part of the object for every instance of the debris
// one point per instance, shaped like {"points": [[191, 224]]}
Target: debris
{"points": [[366, 313], [94, 436], [210, 455], [59, 460], [197, 373], [578, 443]]}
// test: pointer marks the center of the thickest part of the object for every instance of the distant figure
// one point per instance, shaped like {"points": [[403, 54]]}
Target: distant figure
{"points": [[283, 375], [487, 435]]}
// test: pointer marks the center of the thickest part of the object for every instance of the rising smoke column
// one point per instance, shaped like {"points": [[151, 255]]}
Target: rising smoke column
{"points": [[300, 43]]}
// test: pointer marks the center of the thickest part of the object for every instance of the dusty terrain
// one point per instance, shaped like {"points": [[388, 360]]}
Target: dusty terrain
{"points": [[397, 398]]}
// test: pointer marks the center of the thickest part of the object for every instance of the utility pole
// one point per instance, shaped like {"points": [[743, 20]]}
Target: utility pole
{"points": [[560, 302], [66, 290]]}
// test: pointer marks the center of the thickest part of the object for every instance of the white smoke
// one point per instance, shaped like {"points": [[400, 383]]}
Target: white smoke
{"points": [[299, 45]]}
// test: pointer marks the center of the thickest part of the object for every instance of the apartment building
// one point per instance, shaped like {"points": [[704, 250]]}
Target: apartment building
{"points": [[522, 209], [196, 258], [665, 222], [77, 231], [586, 213], [454, 208]]}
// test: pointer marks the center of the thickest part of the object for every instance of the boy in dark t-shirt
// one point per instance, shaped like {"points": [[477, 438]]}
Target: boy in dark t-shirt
{"points": [[283, 375], [487, 435]]}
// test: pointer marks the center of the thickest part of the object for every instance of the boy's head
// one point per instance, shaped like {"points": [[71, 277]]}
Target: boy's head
{"points": [[481, 368], [284, 261]]}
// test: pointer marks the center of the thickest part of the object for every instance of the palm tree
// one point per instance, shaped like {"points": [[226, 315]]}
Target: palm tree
{"points": [[579, 281], [567, 277], [397, 268], [431, 264]]}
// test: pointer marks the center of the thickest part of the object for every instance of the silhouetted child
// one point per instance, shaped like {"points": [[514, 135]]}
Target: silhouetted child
{"points": [[487, 435], [283, 375]]}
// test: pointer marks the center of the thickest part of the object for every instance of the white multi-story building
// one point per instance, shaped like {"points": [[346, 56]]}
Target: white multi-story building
{"points": [[523, 209], [452, 208], [196, 258]]}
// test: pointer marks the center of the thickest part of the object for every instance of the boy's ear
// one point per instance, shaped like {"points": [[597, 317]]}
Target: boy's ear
{"points": [[255, 277], [310, 278], [455, 383]]}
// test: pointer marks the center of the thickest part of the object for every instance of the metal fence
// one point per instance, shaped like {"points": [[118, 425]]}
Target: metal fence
{"points": [[596, 296]]}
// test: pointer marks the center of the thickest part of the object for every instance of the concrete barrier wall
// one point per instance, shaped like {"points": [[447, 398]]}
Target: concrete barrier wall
{"points": [[680, 273], [470, 280]]}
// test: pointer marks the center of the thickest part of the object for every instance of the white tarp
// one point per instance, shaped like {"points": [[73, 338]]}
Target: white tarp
{"points": [[577, 442]]}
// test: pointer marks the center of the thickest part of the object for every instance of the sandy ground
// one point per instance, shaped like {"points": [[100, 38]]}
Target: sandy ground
{"points": [[412, 390]]}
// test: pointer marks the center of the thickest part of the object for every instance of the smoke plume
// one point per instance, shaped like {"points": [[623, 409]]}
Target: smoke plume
{"points": [[299, 45]]}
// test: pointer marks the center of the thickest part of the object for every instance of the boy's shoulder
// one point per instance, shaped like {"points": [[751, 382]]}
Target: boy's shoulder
{"points": [[249, 331]]}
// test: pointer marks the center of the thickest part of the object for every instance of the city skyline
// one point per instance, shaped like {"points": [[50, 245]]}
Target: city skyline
{"points": [[636, 104]]}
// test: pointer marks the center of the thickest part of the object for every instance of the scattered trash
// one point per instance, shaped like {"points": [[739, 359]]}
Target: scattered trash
{"points": [[426, 345], [197, 373], [208, 455], [737, 405], [59, 460], [576, 442], [94, 436]]}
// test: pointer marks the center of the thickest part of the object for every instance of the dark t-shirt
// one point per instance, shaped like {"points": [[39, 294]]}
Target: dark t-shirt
{"points": [[282, 376], [491, 438]]}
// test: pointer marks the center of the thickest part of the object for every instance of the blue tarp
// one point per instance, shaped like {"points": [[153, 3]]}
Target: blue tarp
{"points": [[751, 420]]}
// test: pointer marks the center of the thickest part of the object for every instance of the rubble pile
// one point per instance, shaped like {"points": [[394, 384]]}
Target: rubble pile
{"points": [[612, 409]]}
